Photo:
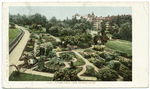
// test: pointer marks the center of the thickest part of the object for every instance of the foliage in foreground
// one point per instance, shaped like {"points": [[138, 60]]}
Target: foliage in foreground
{"points": [[107, 74], [66, 75], [28, 77]]}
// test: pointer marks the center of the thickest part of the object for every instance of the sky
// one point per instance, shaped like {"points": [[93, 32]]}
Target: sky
{"points": [[64, 12]]}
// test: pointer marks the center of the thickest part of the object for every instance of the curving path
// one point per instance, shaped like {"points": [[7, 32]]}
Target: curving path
{"points": [[83, 66], [17, 51], [57, 39]]}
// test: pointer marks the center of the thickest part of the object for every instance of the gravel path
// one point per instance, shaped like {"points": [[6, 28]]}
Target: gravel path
{"points": [[17, 51], [57, 39]]}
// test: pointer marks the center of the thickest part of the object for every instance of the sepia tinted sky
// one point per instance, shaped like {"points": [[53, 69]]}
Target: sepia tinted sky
{"points": [[62, 12]]}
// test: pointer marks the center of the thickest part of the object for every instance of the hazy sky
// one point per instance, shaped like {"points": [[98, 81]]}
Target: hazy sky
{"points": [[63, 12]]}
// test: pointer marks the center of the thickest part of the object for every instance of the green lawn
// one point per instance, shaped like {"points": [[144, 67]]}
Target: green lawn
{"points": [[29, 77], [123, 47], [13, 34], [79, 62], [125, 41]]}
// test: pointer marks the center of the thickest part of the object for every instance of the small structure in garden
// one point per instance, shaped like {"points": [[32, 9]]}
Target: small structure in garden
{"points": [[31, 61]]}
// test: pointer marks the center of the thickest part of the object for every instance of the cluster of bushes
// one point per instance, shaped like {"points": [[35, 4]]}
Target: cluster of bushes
{"points": [[66, 75], [99, 63], [41, 66], [12, 25], [45, 51], [81, 40], [55, 43], [107, 74], [65, 56], [127, 63], [98, 48], [124, 54], [125, 72], [89, 71], [56, 61], [61, 31], [33, 36], [121, 27]]}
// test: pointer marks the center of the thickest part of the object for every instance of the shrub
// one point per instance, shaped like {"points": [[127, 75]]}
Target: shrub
{"points": [[41, 64], [66, 75], [89, 71], [108, 58], [51, 54], [127, 76], [114, 65], [107, 74], [72, 65], [65, 56], [99, 63], [49, 48], [98, 48], [56, 61], [127, 63], [102, 55], [42, 51], [87, 56], [83, 45], [64, 49], [125, 73], [55, 44]]}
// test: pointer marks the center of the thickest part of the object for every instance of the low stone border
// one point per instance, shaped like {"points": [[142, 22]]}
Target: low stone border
{"points": [[14, 43]]}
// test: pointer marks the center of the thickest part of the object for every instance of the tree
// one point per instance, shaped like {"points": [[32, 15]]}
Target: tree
{"points": [[84, 27], [103, 25], [103, 38], [66, 75], [126, 31], [95, 39]]}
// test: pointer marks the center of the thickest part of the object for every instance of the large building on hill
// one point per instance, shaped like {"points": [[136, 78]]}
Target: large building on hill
{"points": [[97, 20]]}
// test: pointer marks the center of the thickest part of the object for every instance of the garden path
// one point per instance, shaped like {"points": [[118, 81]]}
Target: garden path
{"points": [[30, 71], [57, 39], [86, 61], [17, 52]]}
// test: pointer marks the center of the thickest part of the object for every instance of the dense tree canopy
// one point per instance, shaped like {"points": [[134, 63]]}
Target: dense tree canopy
{"points": [[121, 27], [28, 19]]}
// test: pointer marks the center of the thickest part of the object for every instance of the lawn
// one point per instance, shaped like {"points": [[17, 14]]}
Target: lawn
{"points": [[120, 46], [29, 77], [79, 62], [13, 34]]}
